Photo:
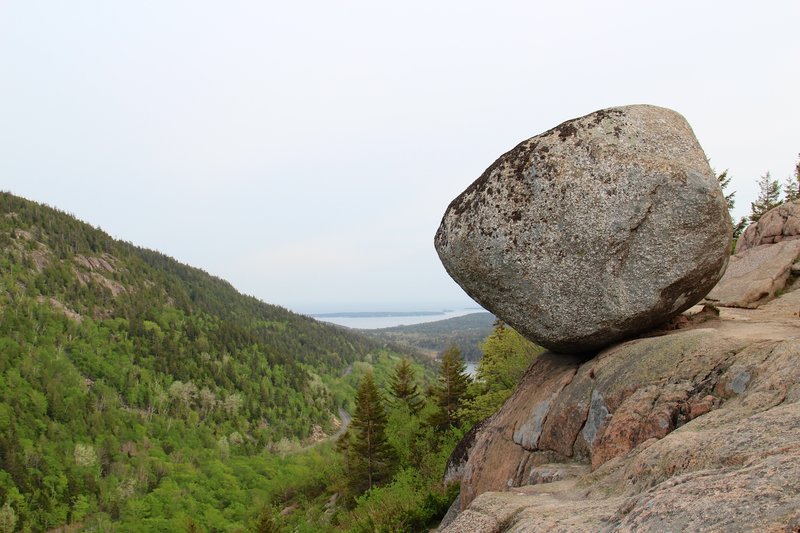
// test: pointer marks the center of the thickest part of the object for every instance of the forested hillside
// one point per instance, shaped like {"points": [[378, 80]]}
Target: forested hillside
{"points": [[387, 471], [433, 338], [141, 391]]}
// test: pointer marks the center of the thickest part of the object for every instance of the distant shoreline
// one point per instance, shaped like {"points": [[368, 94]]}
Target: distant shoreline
{"points": [[388, 319], [379, 314]]}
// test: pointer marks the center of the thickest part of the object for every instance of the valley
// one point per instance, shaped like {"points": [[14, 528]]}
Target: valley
{"points": [[144, 393]]}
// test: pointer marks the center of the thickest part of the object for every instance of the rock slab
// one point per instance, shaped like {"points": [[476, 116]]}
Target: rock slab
{"points": [[756, 275], [695, 430], [776, 225], [600, 228]]}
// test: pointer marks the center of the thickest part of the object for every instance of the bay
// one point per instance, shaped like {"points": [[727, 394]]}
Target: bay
{"points": [[388, 319]]}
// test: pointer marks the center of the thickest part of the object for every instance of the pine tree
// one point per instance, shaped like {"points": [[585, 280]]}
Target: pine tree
{"points": [[368, 454], [738, 227], [506, 356], [797, 169], [724, 181], [769, 196], [790, 190], [403, 388], [450, 392], [791, 187]]}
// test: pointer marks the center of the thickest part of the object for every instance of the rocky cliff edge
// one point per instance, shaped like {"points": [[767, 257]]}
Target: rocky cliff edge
{"points": [[694, 429]]}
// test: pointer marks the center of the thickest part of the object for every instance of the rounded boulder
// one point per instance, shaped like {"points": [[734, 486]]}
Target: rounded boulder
{"points": [[596, 230]]}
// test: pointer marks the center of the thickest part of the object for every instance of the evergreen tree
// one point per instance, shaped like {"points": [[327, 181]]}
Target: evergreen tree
{"points": [[738, 227], [403, 388], [506, 356], [724, 181], [790, 190], [797, 169], [791, 187], [450, 392], [769, 196], [368, 454]]}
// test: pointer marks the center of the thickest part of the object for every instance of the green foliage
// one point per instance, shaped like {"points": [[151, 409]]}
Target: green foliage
{"points": [[407, 504], [738, 227], [506, 356], [769, 196], [797, 169], [724, 181], [140, 394], [791, 186], [450, 392], [8, 519], [403, 387], [403, 431], [413, 499], [790, 190], [367, 452]]}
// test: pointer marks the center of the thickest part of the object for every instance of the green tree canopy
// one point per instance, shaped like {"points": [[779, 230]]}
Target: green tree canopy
{"points": [[506, 357], [790, 190], [791, 187], [450, 391], [403, 387], [368, 454], [724, 182], [769, 196]]}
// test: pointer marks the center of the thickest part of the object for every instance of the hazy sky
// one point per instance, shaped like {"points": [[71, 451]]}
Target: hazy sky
{"points": [[306, 151]]}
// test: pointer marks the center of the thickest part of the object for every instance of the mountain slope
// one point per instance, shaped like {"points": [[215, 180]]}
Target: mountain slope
{"points": [[122, 369]]}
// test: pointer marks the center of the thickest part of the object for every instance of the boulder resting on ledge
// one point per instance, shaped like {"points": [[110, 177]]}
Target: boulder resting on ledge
{"points": [[603, 227]]}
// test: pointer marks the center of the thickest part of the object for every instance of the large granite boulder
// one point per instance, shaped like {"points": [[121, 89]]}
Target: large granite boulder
{"points": [[695, 430], [776, 225], [602, 227]]}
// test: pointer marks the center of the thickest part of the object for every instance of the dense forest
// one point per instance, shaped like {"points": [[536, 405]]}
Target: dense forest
{"points": [[138, 391], [140, 394], [385, 473]]}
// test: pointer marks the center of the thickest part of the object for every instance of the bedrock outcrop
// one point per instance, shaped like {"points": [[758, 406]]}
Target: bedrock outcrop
{"points": [[766, 263], [697, 429], [598, 229], [776, 225]]}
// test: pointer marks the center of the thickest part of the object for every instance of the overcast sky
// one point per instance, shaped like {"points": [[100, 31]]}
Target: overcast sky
{"points": [[306, 151]]}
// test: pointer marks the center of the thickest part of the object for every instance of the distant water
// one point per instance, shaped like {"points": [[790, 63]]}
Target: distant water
{"points": [[472, 368], [388, 319]]}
